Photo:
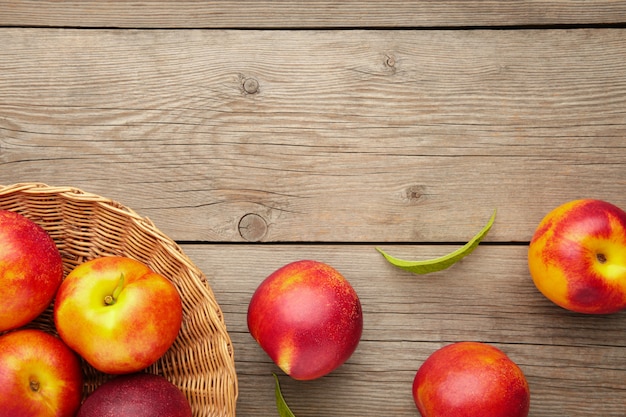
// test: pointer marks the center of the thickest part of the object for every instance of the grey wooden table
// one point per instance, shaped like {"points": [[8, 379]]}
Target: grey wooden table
{"points": [[259, 133]]}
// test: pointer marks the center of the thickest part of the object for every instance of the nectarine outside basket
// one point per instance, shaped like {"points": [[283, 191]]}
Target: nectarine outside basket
{"points": [[85, 226]]}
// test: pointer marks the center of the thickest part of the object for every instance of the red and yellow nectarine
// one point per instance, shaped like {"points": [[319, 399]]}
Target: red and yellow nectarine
{"points": [[577, 257], [470, 379], [117, 313], [31, 270], [307, 318], [39, 375]]}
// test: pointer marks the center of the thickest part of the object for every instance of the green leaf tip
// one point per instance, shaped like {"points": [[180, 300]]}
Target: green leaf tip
{"points": [[281, 405], [443, 262]]}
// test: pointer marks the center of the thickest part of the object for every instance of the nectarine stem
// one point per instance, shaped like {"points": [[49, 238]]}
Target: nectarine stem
{"points": [[112, 299], [34, 385]]}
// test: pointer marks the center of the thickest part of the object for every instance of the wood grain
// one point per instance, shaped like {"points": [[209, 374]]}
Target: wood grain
{"points": [[574, 363], [308, 14], [351, 131], [347, 136]]}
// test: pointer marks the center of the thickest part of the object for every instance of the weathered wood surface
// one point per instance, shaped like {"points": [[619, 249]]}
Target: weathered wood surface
{"points": [[575, 364], [349, 136], [332, 142], [308, 13]]}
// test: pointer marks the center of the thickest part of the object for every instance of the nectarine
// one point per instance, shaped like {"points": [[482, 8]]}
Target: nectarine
{"points": [[31, 270], [307, 318], [39, 375], [136, 395], [117, 313], [577, 257], [470, 379]]}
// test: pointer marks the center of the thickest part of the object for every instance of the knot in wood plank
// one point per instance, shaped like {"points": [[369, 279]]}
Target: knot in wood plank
{"points": [[252, 227], [250, 86]]}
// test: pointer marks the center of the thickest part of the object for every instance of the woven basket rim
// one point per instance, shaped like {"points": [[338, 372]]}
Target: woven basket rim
{"points": [[222, 379]]}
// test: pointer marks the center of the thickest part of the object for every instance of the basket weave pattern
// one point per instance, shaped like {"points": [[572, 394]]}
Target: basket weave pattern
{"points": [[85, 226]]}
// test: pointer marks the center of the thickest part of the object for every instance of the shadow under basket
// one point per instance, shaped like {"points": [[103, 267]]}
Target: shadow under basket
{"points": [[86, 226]]}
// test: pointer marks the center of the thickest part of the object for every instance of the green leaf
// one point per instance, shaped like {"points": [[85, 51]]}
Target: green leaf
{"points": [[281, 405], [446, 261]]}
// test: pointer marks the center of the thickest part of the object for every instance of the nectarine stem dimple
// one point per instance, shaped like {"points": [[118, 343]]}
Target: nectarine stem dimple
{"points": [[34, 385], [601, 258]]}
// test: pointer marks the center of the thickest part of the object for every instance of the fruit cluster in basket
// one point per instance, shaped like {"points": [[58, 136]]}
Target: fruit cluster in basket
{"points": [[113, 312]]}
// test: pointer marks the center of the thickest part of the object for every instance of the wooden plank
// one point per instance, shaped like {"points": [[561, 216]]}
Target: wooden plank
{"points": [[574, 363], [308, 14], [357, 136]]}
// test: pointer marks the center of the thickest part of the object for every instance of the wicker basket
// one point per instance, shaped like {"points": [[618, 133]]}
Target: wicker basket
{"points": [[85, 226]]}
